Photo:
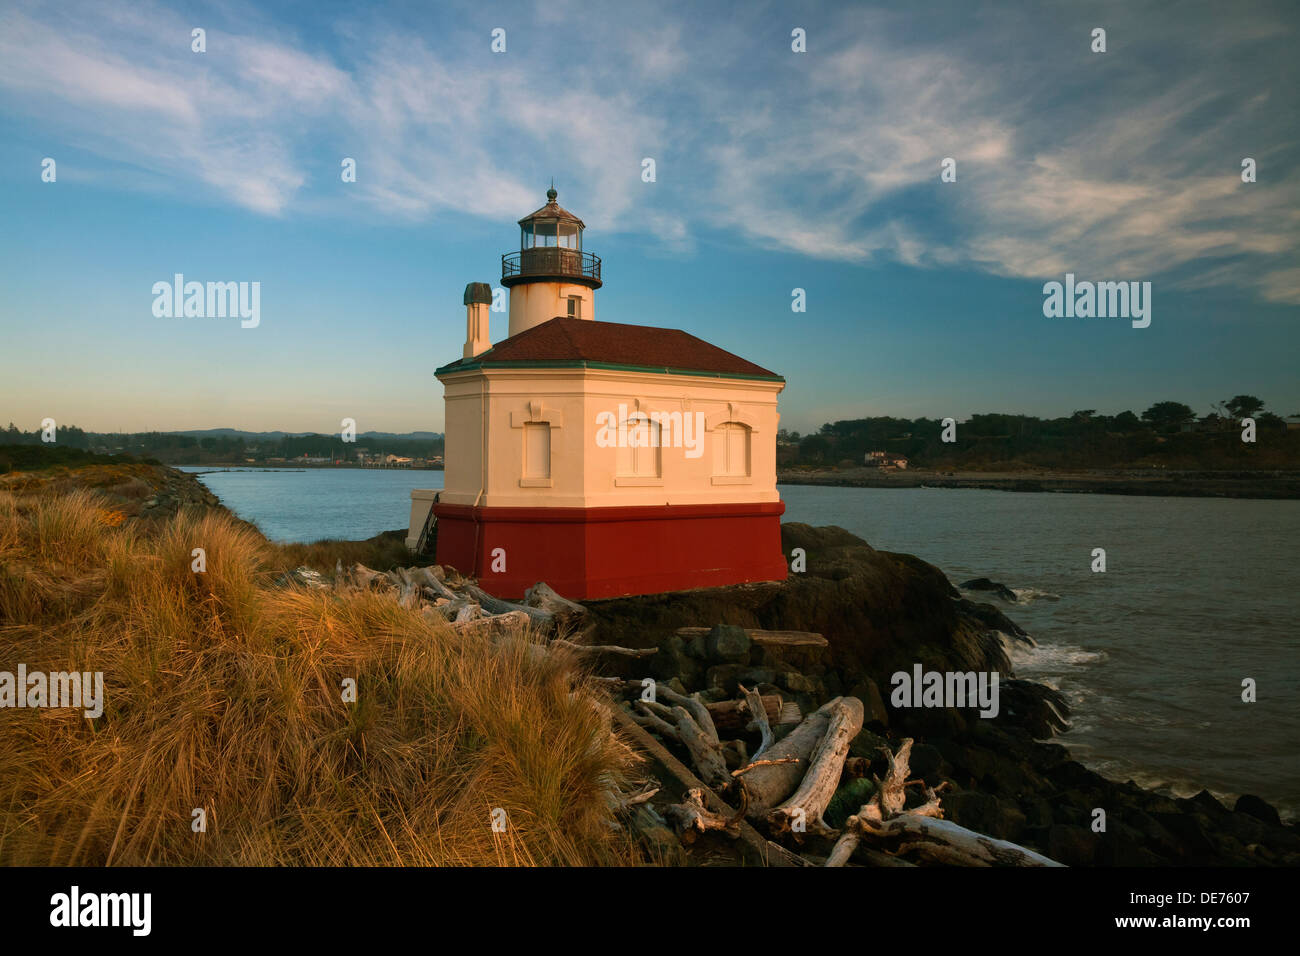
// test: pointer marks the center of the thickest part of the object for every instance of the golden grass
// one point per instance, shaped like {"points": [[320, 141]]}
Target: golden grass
{"points": [[224, 692]]}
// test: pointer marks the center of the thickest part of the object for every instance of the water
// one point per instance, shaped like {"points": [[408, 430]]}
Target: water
{"points": [[1198, 594], [312, 503]]}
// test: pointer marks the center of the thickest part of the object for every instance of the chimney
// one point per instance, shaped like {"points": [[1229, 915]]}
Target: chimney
{"points": [[478, 298]]}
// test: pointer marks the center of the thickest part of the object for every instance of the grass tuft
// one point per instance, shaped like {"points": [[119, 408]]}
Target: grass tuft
{"points": [[223, 691]]}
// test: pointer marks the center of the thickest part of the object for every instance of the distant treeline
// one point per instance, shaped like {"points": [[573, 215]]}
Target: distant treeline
{"points": [[172, 448], [34, 457], [1168, 434]]}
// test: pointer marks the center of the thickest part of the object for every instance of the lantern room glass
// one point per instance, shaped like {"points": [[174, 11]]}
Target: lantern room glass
{"points": [[549, 234]]}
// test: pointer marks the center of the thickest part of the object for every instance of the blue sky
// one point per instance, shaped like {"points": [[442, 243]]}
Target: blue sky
{"points": [[775, 170]]}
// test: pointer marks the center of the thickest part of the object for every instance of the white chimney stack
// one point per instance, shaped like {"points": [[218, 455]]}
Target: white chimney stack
{"points": [[478, 300]]}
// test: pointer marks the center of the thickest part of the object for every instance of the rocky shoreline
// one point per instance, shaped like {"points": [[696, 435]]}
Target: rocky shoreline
{"points": [[881, 613], [1247, 484]]}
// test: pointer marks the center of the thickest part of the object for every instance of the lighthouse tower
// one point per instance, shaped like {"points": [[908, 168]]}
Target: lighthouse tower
{"points": [[550, 275], [604, 459]]}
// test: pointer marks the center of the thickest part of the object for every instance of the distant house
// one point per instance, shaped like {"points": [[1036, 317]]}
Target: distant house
{"points": [[884, 459], [1292, 422]]}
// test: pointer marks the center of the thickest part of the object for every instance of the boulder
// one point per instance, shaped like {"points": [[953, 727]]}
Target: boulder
{"points": [[727, 643], [1253, 806]]}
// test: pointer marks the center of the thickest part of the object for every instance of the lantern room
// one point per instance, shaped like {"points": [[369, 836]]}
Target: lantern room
{"points": [[550, 276]]}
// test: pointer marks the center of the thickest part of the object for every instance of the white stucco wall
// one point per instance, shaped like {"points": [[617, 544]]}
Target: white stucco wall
{"points": [[583, 474]]}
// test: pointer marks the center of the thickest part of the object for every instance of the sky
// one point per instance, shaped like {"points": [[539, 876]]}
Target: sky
{"points": [[774, 170]]}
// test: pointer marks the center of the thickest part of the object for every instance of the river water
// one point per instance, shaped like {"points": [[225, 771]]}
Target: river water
{"points": [[1198, 594]]}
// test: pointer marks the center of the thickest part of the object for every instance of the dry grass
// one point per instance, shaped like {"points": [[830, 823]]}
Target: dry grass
{"points": [[223, 691], [383, 552]]}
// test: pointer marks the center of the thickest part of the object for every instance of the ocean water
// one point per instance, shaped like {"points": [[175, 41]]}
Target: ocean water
{"points": [[1198, 594], [308, 504]]}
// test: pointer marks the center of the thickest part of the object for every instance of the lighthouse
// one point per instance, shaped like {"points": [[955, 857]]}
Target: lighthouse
{"points": [[604, 458]]}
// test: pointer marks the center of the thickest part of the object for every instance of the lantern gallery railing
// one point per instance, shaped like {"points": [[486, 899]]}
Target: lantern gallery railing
{"points": [[550, 262]]}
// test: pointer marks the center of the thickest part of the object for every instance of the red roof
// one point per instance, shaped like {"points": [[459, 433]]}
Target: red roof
{"points": [[567, 341]]}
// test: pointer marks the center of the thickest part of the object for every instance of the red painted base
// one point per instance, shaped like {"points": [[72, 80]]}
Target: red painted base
{"points": [[586, 553]]}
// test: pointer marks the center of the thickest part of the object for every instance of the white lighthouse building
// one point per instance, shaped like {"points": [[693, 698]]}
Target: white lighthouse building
{"points": [[605, 459]]}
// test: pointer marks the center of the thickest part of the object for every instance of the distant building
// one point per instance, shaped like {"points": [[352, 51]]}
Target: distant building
{"points": [[884, 459]]}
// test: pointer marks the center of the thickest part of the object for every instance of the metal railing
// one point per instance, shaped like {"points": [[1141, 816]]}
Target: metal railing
{"points": [[551, 262]]}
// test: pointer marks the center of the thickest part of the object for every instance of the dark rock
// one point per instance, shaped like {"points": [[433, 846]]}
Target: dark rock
{"points": [[728, 643], [1208, 804], [1037, 812], [725, 677], [926, 761], [867, 744], [984, 584], [1035, 708], [1073, 846], [1122, 845], [674, 661], [1253, 806], [1190, 834], [873, 705], [973, 810]]}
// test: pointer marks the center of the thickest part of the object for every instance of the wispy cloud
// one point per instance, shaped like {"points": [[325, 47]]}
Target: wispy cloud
{"points": [[1119, 167]]}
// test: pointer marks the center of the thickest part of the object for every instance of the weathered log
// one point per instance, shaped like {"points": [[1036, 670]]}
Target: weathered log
{"points": [[958, 842], [497, 625], [596, 650], [428, 579], [767, 785], [371, 580], [757, 709], [694, 706], [891, 793], [652, 721], [790, 714], [692, 817], [693, 728], [824, 769], [567, 614], [765, 638], [544, 621], [868, 820], [733, 715], [468, 612]]}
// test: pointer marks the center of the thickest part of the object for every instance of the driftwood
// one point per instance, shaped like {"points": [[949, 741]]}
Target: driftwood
{"points": [[764, 638], [921, 831], [567, 614], [595, 650], [735, 714], [825, 766], [497, 625], [689, 723], [768, 785], [692, 817], [542, 620], [757, 709]]}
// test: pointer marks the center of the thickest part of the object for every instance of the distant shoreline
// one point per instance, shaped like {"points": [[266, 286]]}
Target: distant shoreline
{"points": [[1180, 484]]}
